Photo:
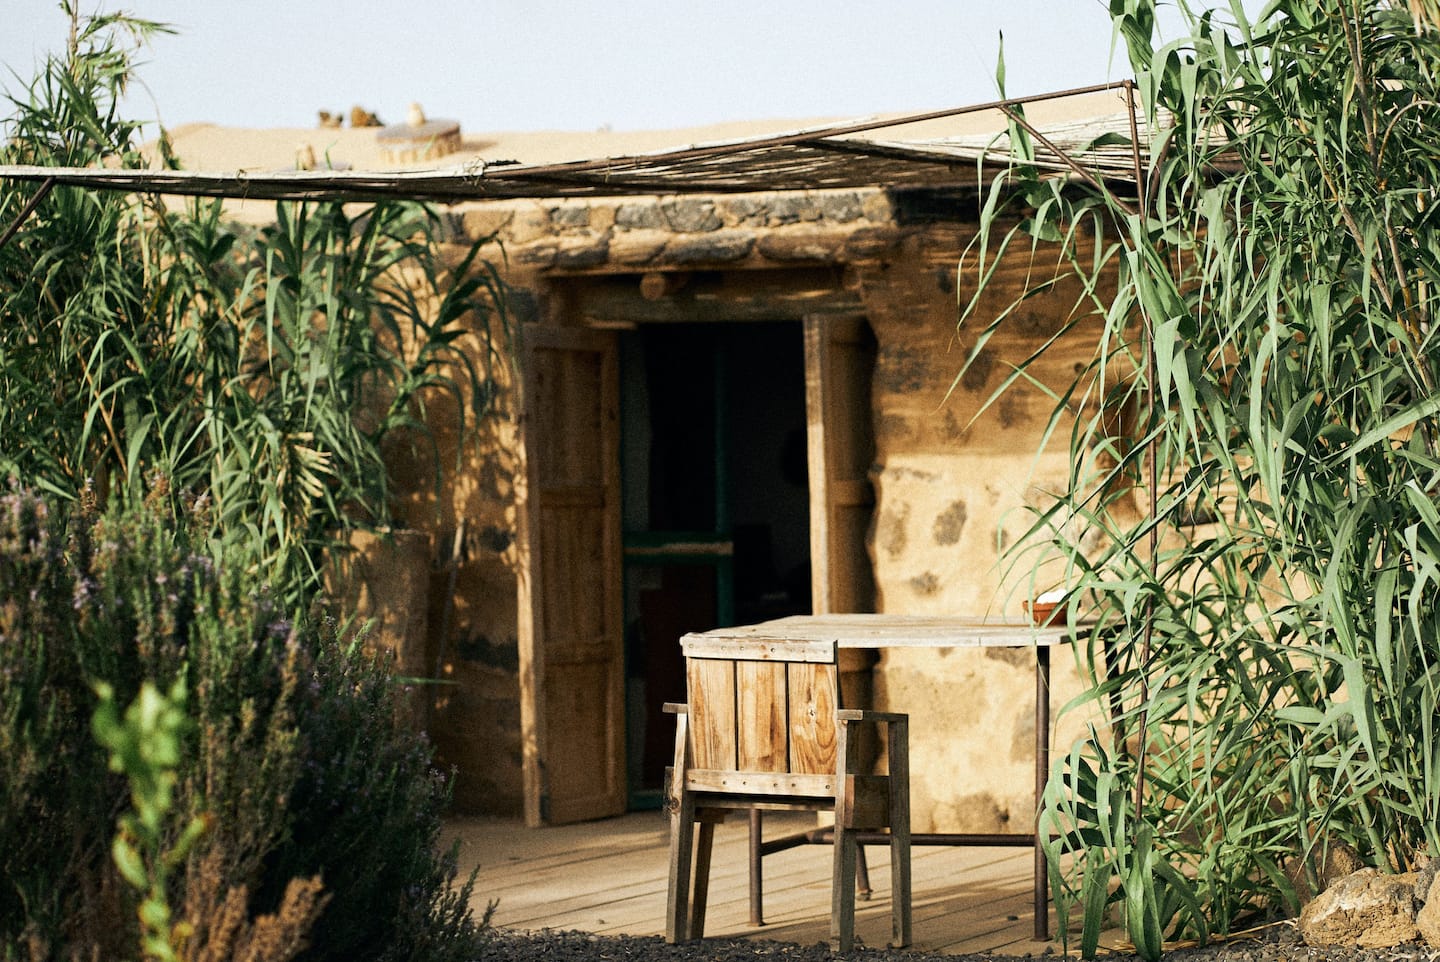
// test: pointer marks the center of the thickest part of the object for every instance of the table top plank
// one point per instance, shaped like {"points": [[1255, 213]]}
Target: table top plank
{"points": [[885, 631]]}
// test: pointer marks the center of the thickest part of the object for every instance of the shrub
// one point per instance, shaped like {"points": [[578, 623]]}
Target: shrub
{"points": [[298, 761]]}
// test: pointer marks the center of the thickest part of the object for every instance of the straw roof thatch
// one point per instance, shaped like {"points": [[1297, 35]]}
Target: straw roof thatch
{"points": [[896, 151]]}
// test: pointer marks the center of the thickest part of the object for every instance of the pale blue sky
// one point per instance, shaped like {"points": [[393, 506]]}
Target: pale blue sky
{"points": [[581, 65]]}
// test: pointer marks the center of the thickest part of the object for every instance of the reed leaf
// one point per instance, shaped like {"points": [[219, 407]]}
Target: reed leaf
{"points": [[1269, 666]]}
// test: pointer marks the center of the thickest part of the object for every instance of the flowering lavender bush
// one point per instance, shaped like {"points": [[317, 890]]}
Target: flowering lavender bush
{"points": [[298, 762]]}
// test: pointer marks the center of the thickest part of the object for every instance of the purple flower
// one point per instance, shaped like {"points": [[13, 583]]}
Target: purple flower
{"points": [[84, 589]]}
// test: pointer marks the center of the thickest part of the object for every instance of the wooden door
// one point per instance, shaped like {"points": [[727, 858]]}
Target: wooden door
{"points": [[570, 637], [839, 366]]}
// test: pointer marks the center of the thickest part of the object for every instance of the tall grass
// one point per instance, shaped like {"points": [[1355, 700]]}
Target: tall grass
{"points": [[265, 368], [1265, 644]]}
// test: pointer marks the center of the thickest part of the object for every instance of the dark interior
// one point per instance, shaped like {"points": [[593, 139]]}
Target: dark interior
{"points": [[716, 503]]}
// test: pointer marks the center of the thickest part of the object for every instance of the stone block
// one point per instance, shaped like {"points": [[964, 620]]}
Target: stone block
{"points": [[1426, 868], [574, 216], [1367, 908], [1333, 859], [801, 244], [841, 208], [748, 210], [793, 209], [717, 248], [576, 255], [602, 217], [691, 216], [641, 215], [1427, 922], [536, 255], [875, 206], [530, 223], [636, 246], [485, 221]]}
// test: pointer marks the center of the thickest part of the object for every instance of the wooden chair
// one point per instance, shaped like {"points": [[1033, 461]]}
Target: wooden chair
{"points": [[763, 730]]}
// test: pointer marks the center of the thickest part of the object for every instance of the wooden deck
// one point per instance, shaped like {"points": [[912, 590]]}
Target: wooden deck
{"points": [[609, 877]]}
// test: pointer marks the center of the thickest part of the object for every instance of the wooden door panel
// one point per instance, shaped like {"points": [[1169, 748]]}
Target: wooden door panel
{"points": [[839, 366], [576, 695], [571, 644], [572, 566], [570, 379]]}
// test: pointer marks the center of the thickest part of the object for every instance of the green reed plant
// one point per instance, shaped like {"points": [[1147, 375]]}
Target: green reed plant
{"points": [[267, 369], [1263, 655]]}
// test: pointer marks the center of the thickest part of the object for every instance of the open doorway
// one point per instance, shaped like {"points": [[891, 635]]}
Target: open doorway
{"points": [[716, 513], [708, 529]]}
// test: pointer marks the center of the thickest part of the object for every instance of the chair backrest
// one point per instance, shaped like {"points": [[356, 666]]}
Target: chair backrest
{"points": [[763, 707]]}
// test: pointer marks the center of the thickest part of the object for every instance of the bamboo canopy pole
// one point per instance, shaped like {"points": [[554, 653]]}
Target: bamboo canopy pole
{"points": [[1148, 630], [824, 157], [27, 210]]}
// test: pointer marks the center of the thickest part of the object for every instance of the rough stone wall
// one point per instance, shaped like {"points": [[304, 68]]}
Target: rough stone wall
{"points": [[560, 236], [955, 483], [475, 719]]}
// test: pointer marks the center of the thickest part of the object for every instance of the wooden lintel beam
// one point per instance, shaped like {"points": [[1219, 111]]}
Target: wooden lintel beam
{"points": [[734, 296]]}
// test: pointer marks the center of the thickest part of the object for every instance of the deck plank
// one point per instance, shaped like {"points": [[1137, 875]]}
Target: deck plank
{"points": [[609, 877]]}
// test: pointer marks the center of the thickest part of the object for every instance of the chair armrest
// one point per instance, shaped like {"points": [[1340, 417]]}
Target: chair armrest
{"points": [[865, 715], [676, 708]]}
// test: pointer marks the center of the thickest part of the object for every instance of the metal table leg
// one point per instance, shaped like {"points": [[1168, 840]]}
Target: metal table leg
{"points": [[757, 894], [1042, 773]]}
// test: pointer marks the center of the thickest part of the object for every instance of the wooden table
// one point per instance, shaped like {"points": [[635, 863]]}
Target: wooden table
{"points": [[922, 631]]}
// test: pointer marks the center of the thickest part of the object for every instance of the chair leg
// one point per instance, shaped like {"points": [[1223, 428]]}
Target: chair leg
{"points": [[863, 891], [842, 891], [702, 872], [677, 906], [900, 928]]}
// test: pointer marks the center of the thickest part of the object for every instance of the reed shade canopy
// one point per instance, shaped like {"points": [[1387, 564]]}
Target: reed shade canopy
{"points": [[849, 155]]}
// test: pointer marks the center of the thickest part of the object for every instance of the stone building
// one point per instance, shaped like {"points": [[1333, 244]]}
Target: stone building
{"points": [[728, 405]]}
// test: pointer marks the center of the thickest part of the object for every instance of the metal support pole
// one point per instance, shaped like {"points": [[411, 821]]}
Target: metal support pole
{"points": [[757, 891]]}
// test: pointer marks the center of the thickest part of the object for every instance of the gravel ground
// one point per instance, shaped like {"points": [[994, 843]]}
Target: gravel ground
{"points": [[1276, 944]]}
